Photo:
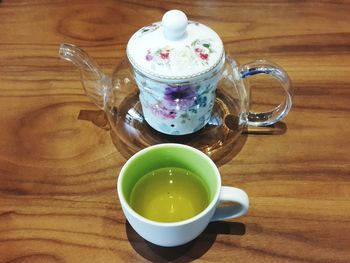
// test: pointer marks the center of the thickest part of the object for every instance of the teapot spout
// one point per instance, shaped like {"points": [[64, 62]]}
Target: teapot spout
{"points": [[96, 84]]}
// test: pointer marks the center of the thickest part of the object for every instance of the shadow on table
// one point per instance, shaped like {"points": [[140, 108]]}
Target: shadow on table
{"points": [[278, 128], [187, 252]]}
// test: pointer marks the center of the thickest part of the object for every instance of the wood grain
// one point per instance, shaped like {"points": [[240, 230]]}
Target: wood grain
{"points": [[58, 172]]}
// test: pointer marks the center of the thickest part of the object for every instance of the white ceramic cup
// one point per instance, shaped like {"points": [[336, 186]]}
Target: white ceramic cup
{"points": [[189, 158]]}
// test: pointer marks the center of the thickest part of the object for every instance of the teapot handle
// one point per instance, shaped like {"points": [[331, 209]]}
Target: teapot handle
{"points": [[266, 67]]}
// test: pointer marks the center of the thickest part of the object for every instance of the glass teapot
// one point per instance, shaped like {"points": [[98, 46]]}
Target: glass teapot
{"points": [[176, 84]]}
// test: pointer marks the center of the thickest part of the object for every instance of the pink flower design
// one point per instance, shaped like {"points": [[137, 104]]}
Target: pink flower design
{"points": [[164, 54], [163, 112], [203, 56], [202, 48], [201, 53], [160, 57]]}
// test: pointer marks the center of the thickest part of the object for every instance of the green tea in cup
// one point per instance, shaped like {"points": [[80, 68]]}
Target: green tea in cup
{"points": [[169, 194]]}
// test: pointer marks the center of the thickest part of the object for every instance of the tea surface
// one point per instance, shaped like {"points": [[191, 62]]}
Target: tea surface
{"points": [[169, 195]]}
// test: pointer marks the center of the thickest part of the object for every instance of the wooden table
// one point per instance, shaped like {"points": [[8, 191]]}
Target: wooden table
{"points": [[58, 200]]}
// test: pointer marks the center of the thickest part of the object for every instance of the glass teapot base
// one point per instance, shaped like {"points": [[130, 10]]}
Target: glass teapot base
{"points": [[131, 132]]}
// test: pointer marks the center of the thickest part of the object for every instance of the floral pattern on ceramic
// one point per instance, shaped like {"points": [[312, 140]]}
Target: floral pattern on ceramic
{"points": [[160, 57], [180, 96], [176, 65], [203, 49], [198, 52], [176, 109], [148, 29]]}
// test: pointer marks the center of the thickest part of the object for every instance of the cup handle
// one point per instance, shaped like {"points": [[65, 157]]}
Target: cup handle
{"points": [[239, 206], [279, 112]]}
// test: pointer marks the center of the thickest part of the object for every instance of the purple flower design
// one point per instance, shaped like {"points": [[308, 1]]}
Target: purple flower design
{"points": [[163, 112], [149, 55], [180, 97]]}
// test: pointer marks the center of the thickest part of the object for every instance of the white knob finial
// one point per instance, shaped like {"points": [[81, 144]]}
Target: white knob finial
{"points": [[174, 24]]}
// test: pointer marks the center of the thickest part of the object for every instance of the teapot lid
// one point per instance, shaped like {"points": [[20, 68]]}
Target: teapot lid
{"points": [[175, 48]]}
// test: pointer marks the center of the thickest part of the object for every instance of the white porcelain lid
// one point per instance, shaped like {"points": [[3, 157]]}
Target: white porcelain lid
{"points": [[175, 48]]}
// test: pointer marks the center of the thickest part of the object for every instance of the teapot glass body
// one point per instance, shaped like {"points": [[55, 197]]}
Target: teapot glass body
{"points": [[208, 112]]}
